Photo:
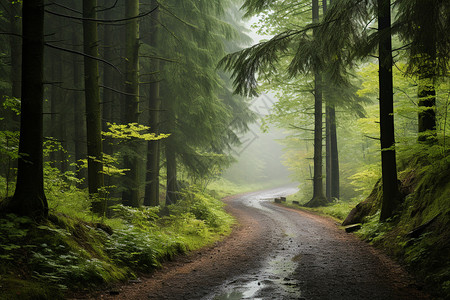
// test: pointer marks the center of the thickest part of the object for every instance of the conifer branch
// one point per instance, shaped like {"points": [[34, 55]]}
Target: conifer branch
{"points": [[82, 54], [102, 20]]}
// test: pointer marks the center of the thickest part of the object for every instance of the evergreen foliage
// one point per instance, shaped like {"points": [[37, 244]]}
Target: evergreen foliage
{"points": [[75, 247], [173, 74]]}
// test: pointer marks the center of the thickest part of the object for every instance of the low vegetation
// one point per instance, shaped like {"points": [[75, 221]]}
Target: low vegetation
{"points": [[418, 235], [74, 249]]}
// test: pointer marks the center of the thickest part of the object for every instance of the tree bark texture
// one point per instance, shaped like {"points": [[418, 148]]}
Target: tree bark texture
{"points": [[388, 158], [151, 197], [170, 152], [171, 165], [132, 161], [426, 87], [334, 153], [108, 80], [79, 134], [318, 195], [16, 48], [93, 107], [29, 197], [328, 154]]}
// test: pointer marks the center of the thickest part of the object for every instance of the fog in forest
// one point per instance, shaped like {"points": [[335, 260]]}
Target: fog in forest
{"points": [[133, 131], [260, 156], [259, 159]]}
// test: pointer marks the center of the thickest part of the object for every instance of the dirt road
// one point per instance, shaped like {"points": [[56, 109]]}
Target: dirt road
{"points": [[277, 253]]}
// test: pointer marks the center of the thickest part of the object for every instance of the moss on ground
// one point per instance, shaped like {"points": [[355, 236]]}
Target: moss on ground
{"points": [[18, 289]]}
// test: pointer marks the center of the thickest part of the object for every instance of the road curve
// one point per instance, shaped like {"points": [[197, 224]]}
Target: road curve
{"points": [[277, 253]]}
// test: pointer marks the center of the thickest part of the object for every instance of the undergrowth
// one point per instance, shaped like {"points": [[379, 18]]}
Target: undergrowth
{"points": [[418, 235], [77, 250], [337, 209]]}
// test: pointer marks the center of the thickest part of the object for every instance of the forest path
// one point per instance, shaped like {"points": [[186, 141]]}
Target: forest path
{"points": [[277, 253]]}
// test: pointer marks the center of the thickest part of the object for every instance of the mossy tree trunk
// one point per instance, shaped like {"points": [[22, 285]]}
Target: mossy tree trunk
{"points": [[426, 85]]}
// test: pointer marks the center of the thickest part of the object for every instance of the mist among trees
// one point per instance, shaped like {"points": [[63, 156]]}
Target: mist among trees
{"points": [[134, 116]]}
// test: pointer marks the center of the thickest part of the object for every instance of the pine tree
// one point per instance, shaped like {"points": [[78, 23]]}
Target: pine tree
{"points": [[198, 117]]}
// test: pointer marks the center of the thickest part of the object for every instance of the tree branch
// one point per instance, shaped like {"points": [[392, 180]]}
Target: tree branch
{"points": [[101, 20], [83, 54]]}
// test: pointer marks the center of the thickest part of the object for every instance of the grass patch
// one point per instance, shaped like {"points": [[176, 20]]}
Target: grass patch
{"points": [[337, 209], [223, 187]]}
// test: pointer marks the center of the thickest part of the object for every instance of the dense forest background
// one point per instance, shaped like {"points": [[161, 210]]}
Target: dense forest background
{"points": [[142, 65], [119, 115]]}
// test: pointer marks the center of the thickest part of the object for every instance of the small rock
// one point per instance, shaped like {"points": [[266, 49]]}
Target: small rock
{"points": [[352, 228], [134, 281], [114, 293]]}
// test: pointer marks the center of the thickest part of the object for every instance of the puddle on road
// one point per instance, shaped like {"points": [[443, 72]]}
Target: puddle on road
{"points": [[274, 281], [247, 291]]}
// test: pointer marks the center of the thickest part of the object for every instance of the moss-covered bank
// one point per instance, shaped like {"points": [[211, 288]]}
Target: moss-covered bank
{"points": [[419, 233]]}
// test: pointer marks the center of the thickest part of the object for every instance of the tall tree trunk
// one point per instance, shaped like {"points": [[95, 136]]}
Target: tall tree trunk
{"points": [[335, 177], [328, 157], [171, 165], [151, 197], [318, 195], [15, 43], [93, 108], [132, 162], [388, 159], [328, 175], [53, 126], [170, 152], [29, 197], [426, 86], [79, 114], [108, 77], [332, 155]]}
